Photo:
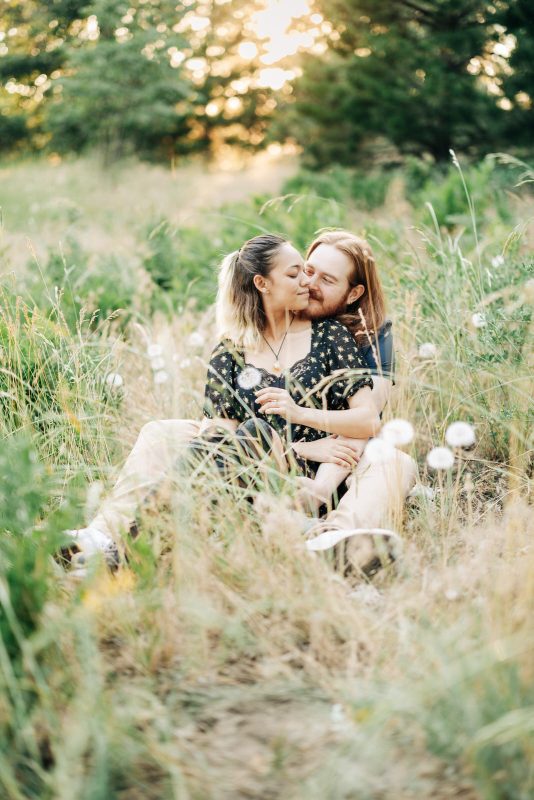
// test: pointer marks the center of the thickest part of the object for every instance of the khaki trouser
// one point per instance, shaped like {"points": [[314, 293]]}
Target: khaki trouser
{"points": [[375, 495]]}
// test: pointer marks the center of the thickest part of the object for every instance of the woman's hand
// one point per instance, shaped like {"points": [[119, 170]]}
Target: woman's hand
{"points": [[279, 401], [333, 450]]}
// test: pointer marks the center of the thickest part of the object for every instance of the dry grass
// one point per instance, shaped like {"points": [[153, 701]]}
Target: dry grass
{"points": [[227, 662]]}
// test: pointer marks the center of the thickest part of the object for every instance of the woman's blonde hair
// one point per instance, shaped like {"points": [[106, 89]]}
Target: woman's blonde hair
{"points": [[367, 314], [239, 309]]}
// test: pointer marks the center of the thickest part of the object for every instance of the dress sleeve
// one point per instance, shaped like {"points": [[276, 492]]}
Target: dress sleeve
{"points": [[348, 370], [220, 396], [381, 351]]}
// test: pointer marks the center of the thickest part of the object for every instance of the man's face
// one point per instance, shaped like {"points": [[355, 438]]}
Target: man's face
{"points": [[328, 270]]}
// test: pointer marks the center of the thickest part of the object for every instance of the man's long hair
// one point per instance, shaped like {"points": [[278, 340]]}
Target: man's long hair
{"points": [[365, 316]]}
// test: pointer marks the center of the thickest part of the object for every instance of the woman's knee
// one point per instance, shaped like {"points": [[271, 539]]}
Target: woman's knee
{"points": [[178, 430]]}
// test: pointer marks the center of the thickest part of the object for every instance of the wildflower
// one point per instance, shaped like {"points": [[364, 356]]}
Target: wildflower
{"points": [[249, 377], [195, 340], [478, 319], [157, 363], [379, 450], [161, 376], [428, 350], [397, 432], [114, 380], [440, 458], [154, 350], [497, 261], [460, 434], [420, 490]]}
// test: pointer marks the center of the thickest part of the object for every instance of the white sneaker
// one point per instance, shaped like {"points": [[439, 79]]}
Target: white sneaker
{"points": [[328, 539], [91, 541]]}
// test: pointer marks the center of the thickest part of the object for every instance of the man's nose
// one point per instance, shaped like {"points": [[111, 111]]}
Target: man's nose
{"points": [[305, 279]]}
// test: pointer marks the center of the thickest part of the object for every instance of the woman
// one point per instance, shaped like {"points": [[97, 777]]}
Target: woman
{"points": [[306, 378], [284, 378]]}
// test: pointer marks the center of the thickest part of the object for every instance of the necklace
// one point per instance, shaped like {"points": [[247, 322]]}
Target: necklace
{"points": [[277, 367]]}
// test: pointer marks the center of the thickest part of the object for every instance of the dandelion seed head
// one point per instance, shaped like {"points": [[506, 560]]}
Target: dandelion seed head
{"points": [[154, 350], [440, 458], [378, 451], [157, 363], [249, 377], [161, 376], [460, 434], [497, 261], [428, 350], [397, 432], [114, 380], [478, 319], [420, 490], [195, 339]]}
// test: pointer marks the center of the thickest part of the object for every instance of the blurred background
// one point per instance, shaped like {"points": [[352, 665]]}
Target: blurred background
{"points": [[344, 81]]}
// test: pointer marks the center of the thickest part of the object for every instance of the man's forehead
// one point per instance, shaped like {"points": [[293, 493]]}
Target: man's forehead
{"points": [[330, 262]]}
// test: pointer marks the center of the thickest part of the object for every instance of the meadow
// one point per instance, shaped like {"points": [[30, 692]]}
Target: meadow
{"points": [[224, 661]]}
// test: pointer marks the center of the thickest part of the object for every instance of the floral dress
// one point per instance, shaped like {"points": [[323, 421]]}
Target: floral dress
{"points": [[332, 372]]}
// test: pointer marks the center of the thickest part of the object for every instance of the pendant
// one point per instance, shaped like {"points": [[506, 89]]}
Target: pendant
{"points": [[277, 367]]}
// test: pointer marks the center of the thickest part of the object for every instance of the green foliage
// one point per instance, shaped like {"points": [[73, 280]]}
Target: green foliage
{"points": [[95, 289], [52, 382], [27, 541], [122, 95], [397, 70], [366, 190]]}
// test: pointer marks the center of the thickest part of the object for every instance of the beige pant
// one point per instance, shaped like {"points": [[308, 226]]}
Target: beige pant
{"points": [[375, 495]]}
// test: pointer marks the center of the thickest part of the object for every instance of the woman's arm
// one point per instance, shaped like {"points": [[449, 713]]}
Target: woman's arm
{"points": [[359, 421]]}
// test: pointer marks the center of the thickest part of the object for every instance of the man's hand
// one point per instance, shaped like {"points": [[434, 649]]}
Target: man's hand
{"points": [[279, 401], [333, 450]]}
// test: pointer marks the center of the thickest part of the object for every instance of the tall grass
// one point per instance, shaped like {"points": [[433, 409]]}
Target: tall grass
{"points": [[225, 661]]}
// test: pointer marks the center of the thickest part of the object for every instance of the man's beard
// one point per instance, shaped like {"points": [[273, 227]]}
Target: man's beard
{"points": [[318, 308]]}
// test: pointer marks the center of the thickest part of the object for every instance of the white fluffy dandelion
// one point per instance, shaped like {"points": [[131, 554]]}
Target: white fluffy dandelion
{"points": [[397, 432], [460, 434], [440, 458], [428, 350], [478, 319], [114, 380], [378, 451], [154, 350], [422, 491], [195, 339], [249, 377], [157, 363], [161, 377]]}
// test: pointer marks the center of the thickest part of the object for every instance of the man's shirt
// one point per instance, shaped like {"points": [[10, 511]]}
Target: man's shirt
{"points": [[380, 350]]}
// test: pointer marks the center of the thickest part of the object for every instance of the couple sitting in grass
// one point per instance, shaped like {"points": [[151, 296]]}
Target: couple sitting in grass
{"points": [[300, 376]]}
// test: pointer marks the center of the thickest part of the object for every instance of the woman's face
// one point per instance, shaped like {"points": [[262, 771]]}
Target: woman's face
{"points": [[286, 285]]}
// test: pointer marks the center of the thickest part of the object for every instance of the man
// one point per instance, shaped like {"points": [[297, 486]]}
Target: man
{"points": [[343, 283]]}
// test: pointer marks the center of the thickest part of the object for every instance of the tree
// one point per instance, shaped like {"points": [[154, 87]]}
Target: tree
{"points": [[401, 69], [518, 84], [120, 90]]}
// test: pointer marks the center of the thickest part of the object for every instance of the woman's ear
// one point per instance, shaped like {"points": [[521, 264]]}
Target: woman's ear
{"points": [[355, 293], [260, 284]]}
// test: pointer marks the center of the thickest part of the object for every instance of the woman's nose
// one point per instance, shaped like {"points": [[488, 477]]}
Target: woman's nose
{"points": [[305, 279]]}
